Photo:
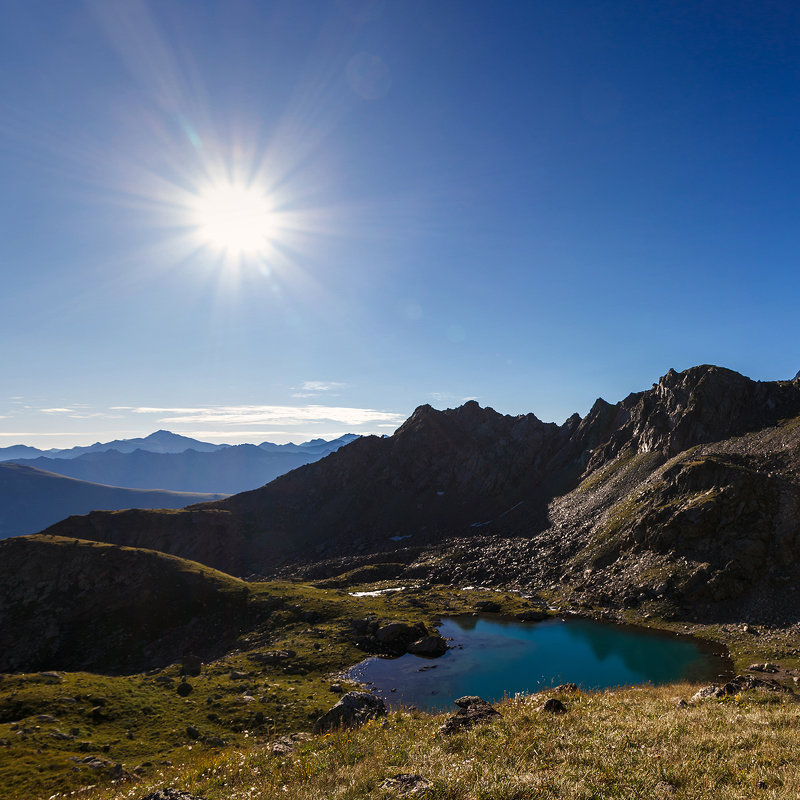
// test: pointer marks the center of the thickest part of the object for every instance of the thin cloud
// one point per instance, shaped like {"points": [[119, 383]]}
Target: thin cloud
{"points": [[268, 415], [313, 388]]}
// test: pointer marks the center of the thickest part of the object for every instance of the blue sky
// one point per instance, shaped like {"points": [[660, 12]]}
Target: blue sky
{"points": [[528, 203]]}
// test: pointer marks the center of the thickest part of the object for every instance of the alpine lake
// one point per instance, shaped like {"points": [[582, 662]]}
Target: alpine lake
{"points": [[496, 657]]}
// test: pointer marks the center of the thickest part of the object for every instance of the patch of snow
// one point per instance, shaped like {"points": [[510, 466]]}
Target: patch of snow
{"points": [[399, 538], [377, 592], [440, 494]]}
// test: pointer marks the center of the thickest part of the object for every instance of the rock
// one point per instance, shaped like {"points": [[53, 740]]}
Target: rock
{"points": [[681, 703], [566, 687], [766, 667], [352, 710], [272, 656], [473, 711], [395, 637], [171, 794], [468, 700], [192, 732], [184, 689], [531, 615], [429, 646], [407, 785], [215, 741], [282, 747], [489, 606], [237, 675], [741, 683], [191, 665], [554, 706], [336, 688], [46, 718]]}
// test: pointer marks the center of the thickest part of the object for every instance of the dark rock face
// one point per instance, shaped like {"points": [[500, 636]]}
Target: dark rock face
{"points": [[473, 711], [352, 710]]}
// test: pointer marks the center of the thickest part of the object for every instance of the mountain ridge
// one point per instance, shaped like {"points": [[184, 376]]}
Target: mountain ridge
{"points": [[224, 470], [160, 441], [470, 472]]}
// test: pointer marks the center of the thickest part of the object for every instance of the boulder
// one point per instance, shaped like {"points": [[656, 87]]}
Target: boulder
{"points": [[352, 710], [468, 700], [554, 706], [429, 646], [766, 667], [532, 615], [191, 664], [395, 637], [566, 687], [473, 711], [272, 656]]}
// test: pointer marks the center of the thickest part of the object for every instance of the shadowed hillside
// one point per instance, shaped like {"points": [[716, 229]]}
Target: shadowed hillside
{"points": [[109, 609]]}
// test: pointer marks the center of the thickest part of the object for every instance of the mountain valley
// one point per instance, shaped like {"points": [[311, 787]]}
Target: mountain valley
{"points": [[677, 508]]}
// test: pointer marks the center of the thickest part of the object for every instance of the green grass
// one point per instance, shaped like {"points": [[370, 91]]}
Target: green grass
{"points": [[143, 721], [611, 744], [632, 743]]}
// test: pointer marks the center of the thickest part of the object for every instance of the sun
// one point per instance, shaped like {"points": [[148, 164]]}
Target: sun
{"points": [[234, 218]]}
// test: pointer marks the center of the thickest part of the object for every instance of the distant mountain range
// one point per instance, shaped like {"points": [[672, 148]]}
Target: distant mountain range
{"points": [[165, 442], [198, 467], [31, 499]]}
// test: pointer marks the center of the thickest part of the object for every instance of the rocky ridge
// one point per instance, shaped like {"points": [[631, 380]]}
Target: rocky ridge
{"points": [[685, 493]]}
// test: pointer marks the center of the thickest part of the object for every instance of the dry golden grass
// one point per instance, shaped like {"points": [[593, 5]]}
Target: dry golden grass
{"points": [[629, 743]]}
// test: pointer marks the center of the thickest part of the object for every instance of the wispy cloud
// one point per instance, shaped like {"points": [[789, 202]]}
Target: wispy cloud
{"points": [[314, 388], [267, 415], [79, 411]]}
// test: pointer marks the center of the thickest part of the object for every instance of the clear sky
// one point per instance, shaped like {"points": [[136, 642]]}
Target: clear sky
{"points": [[250, 220]]}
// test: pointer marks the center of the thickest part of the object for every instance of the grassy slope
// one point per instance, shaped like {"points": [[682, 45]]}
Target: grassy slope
{"points": [[611, 744], [633, 743], [144, 721]]}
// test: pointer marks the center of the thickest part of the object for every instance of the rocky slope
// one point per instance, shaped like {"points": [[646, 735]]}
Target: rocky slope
{"points": [[685, 492]]}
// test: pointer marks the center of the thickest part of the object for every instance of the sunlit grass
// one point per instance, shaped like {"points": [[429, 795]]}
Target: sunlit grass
{"points": [[633, 743]]}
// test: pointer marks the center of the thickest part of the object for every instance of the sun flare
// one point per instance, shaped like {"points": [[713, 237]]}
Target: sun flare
{"points": [[233, 218]]}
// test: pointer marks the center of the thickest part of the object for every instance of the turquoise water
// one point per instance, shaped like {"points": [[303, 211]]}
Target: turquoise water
{"points": [[493, 657]]}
